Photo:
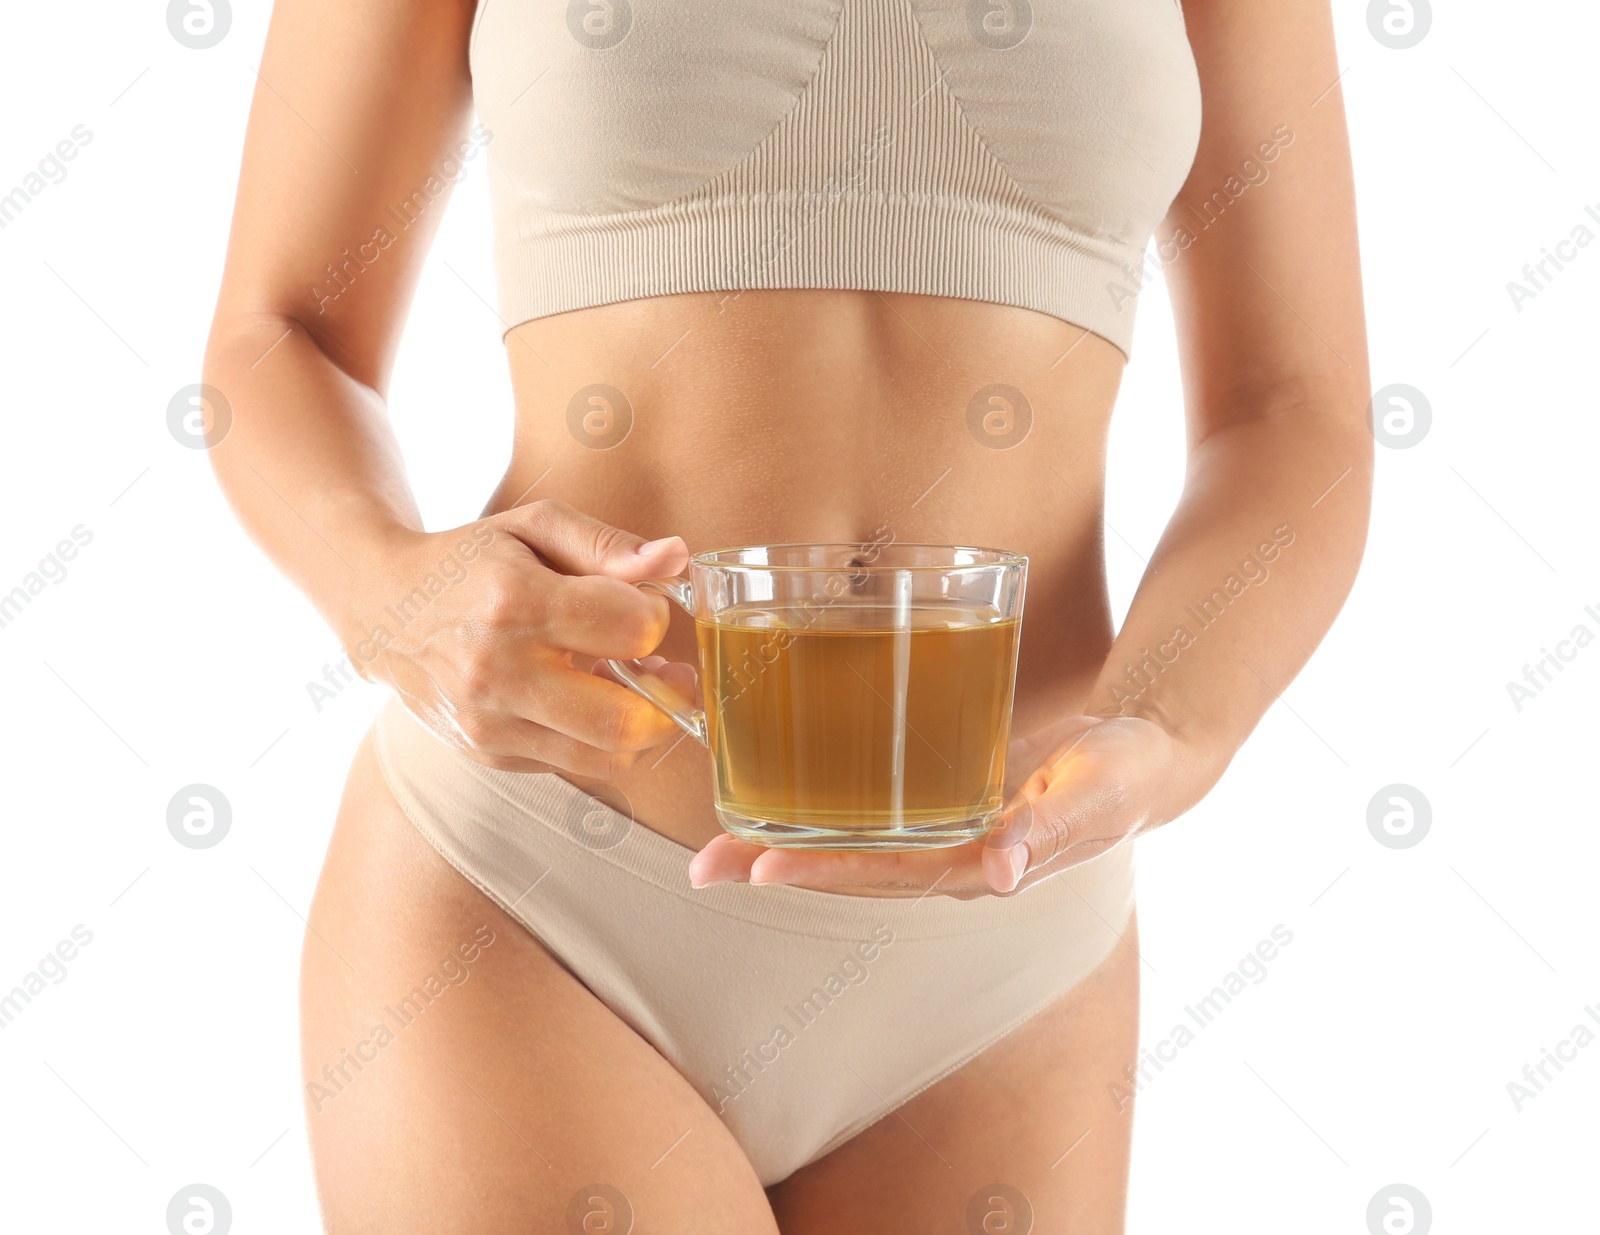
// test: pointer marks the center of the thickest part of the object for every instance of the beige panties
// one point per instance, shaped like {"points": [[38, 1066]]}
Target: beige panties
{"points": [[801, 1017]]}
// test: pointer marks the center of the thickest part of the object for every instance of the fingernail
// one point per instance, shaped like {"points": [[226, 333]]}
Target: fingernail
{"points": [[758, 874], [654, 546], [1018, 857], [698, 880]]}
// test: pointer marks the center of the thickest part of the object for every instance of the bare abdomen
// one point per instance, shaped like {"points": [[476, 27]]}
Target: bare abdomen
{"points": [[801, 415]]}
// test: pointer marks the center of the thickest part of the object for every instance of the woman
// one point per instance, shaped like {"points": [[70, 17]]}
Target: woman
{"points": [[841, 270]]}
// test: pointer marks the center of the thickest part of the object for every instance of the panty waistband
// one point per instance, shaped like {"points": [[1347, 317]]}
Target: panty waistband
{"points": [[562, 825]]}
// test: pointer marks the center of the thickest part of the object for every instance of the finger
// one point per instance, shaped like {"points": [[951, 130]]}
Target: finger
{"points": [[1005, 865], [951, 871], [682, 677], [528, 603], [1034, 749], [1076, 855], [1006, 854], [576, 543], [1073, 855], [513, 744], [1081, 797], [591, 615], [956, 872], [539, 685], [725, 859], [587, 707]]}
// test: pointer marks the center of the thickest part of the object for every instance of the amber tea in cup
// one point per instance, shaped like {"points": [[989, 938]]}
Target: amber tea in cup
{"points": [[855, 695]]}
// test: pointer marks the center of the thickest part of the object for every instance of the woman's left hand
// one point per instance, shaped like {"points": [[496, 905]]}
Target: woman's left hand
{"points": [[1092, 782]]}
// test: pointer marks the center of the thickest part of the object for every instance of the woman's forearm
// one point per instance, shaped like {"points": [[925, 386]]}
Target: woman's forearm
{"points": [[1246, 580], [309, 462]]}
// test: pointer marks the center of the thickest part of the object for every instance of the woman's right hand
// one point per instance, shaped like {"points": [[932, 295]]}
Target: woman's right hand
{"points": [[491, 634]]}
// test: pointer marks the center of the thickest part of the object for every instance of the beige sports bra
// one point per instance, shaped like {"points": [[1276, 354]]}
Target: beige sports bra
{"points": [[1013, 151]]}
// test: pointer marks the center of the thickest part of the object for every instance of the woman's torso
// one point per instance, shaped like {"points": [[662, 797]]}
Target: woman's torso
{"points": [[974, 158], [816, 415]]}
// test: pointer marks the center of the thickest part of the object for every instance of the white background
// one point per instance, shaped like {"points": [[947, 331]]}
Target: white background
{"points": [[1378, 1048]]}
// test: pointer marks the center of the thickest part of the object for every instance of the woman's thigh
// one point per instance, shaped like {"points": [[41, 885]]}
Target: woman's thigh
{"points": [[1032, 1117], [459, 1079]]}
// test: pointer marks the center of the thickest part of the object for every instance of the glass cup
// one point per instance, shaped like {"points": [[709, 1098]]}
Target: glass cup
{"points": [[855, 695]]}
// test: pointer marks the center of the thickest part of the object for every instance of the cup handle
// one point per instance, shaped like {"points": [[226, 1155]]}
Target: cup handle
{"points": [[691, 720]]}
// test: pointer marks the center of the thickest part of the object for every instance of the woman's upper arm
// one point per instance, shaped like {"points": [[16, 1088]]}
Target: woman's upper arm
{"points": [[357, 123], [1265, 273]]}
